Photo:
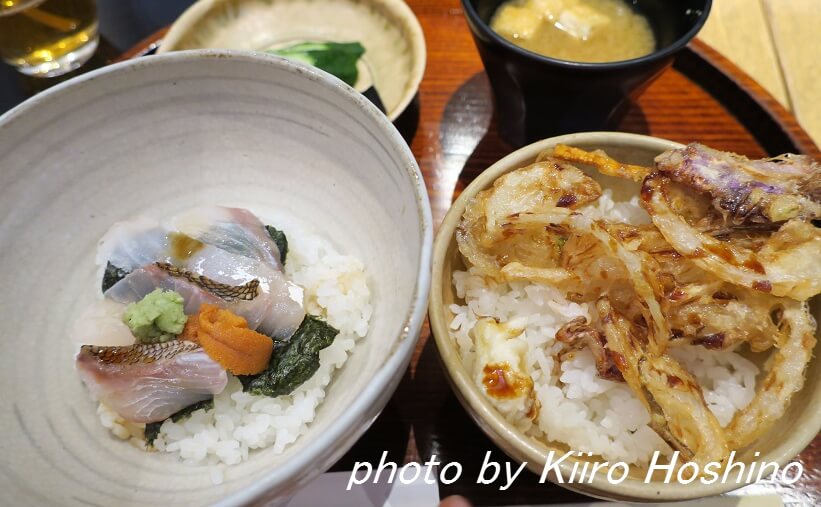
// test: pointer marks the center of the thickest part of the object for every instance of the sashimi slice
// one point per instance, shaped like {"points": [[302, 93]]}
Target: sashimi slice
{"points": [[101, 323], [133, 244], [273, 311], [285, 312], [235, 230], [149, 383], [226, 245], [142, 281]]}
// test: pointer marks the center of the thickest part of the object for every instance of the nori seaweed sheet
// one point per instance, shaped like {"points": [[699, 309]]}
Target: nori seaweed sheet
{"points": [[152, 430], [293, 362], [112, 275], [280, 240]]}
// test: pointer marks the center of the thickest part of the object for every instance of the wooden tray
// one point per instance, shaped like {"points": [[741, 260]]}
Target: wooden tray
{"points": [[452, 132]]}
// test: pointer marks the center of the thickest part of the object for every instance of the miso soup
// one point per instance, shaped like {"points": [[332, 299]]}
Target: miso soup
{"points": [[576, 30]]}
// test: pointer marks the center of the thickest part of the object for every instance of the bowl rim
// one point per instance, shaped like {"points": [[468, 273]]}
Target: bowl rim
{"points": [[201, 9], [348, 422], [513, 442], [659, 54]]}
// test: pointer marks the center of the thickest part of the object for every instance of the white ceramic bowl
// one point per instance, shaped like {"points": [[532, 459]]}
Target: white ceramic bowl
{"points": [[394, 44], [159, 135], [793, 432]]}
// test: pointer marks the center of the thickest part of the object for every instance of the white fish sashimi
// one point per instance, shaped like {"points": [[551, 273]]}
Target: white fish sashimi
{"points": [[102, 324], [273, 311], [231, 246], [134, 244], [149, 383], [283, 306], [235, 230], [142, 281]]}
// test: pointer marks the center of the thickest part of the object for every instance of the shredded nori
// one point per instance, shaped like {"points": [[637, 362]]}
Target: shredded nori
{"points": [[190, 409], [280, 240], [293, 362], [112, 275], [152, 430]]}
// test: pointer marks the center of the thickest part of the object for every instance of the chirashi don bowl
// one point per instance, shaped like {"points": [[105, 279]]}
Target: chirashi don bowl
{"points": [[794, 431], [156, 136]]}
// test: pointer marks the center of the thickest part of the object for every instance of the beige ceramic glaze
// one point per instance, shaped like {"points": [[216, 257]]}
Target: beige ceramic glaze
{"points": [[798, 427], [389, 31], [157, 136]]}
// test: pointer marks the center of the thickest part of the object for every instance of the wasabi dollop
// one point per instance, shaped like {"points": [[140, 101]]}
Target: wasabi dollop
{"points": [[157, 318]]}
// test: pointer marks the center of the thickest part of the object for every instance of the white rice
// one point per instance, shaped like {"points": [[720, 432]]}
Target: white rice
{"points": [[579, 409], [335, 288]]}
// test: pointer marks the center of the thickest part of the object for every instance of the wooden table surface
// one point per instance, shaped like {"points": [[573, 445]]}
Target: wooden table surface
{"points": [[776, 42], [452, 133], [453, 136]]}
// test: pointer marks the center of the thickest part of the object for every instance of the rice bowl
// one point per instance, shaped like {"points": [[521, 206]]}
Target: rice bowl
{"points": [[454, 310], [157, 136]]}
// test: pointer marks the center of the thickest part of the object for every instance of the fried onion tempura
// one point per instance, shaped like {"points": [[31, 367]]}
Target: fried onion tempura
{"points": [[785, 377], [748, 191], [600, 161], [789, 267], [730, 260], [547, 185], [678, 412]]}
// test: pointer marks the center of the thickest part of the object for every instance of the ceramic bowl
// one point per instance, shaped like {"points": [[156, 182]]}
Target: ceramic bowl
{"points": [[393, 39], [153, 137], [793, 433], [594, 96]]}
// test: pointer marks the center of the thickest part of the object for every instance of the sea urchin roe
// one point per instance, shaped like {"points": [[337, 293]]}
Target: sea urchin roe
{"points": [[225, 337], [156, 318]]}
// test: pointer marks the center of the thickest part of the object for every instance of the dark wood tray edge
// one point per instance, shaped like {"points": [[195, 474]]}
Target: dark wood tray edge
{"points": [[145, 46], [770, 123]]}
